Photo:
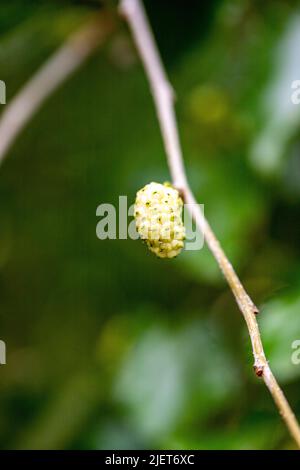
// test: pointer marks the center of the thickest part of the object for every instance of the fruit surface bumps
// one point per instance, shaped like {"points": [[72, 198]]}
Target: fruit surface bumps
{"points": [[158, 217]]}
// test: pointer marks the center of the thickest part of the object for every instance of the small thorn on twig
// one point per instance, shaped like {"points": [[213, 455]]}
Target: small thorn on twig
{"points": [[259, 370], [255, 310]]}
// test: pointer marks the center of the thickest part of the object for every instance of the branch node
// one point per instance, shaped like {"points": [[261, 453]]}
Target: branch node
{"points": [[259, 370]]}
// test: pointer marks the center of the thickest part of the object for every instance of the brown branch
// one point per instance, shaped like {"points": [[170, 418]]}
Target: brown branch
{"points": [[163, 99], [68, 58]]}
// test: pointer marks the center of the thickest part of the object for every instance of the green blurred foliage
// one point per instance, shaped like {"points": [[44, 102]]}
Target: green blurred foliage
{"points": [[107, 346]]}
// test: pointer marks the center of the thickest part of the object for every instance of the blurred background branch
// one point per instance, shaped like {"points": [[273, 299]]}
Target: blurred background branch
{"points": [[65, 61]]}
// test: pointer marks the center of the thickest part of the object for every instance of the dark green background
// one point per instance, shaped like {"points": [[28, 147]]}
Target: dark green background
{"points": [[107, 346]]}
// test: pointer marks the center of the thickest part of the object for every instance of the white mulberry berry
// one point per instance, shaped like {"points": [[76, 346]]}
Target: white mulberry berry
{"points": [[158, 217]]}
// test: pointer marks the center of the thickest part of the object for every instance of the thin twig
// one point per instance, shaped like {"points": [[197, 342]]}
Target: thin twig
{"points": [[68, 58], [163, 98]]}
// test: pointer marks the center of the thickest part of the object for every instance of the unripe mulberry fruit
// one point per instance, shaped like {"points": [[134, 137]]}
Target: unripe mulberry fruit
{"points": [[158, 217]]}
